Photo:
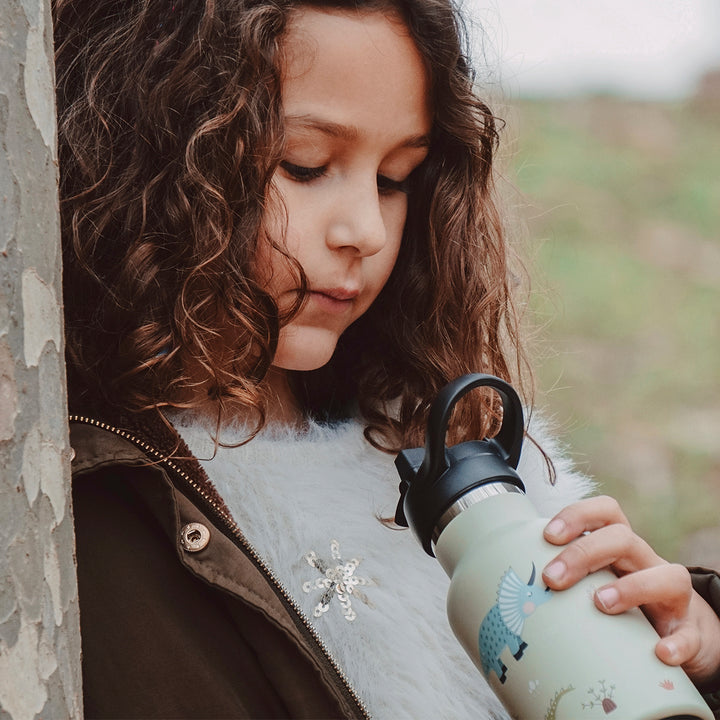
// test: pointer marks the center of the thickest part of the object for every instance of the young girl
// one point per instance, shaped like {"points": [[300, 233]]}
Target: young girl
{"points": [[280, 241]]}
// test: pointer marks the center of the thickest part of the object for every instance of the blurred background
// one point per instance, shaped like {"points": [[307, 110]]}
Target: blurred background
{"points": [[612, 149]]}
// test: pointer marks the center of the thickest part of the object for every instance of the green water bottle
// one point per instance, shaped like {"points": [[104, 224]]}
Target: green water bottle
{"points": [[548, 655]]}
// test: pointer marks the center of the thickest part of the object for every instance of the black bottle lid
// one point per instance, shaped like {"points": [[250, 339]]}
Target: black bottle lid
{"points": [[436, 476]]}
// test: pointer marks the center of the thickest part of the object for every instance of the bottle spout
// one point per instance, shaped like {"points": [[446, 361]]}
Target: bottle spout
{"points": [[408, 463], [434, 477]]}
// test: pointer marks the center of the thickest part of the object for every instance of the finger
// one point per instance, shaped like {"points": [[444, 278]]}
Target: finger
{"points": [[681, 646], [665, 590], [704, 667], [615, 546], [584, 516], [688, 626]]}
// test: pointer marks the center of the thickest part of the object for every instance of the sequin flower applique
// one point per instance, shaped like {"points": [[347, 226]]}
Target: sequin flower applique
{"points": [[338, 580]]}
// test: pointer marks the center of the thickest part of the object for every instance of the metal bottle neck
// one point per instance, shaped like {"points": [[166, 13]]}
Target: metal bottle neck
{"points": [[476, 495]]}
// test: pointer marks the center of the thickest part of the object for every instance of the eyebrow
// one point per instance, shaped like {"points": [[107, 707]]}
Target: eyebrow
{"points": [[348, 132]]}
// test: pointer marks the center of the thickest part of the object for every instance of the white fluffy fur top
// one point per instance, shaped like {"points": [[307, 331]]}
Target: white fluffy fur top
{"points": [[310, 502]]}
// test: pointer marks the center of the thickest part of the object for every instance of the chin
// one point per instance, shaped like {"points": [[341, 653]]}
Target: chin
{"points": [[304, 348]]}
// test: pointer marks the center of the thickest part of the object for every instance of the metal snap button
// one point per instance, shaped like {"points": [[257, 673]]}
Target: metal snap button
{"points": [[194, 537]]}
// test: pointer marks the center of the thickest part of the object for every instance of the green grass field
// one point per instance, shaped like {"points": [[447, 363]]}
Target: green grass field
{"points": [[621, 203]]}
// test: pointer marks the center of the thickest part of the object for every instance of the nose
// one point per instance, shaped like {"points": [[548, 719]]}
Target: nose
{"points": [[356, 220]]}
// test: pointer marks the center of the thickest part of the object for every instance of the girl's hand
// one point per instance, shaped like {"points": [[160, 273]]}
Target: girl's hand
{"points": [[597, 534]]}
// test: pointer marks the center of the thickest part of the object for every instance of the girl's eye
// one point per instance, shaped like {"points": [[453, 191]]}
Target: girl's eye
{"points": [[386, 186], [300, 173]]}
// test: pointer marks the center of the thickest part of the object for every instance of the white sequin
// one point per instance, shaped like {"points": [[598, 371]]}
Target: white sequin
{"points": [[338, 579]]}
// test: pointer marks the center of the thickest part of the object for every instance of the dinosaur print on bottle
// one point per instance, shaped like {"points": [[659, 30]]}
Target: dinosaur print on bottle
{"points": [[503, 625]]}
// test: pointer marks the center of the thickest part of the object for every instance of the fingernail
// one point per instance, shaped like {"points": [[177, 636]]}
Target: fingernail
{"points": [[555, 527], [671, 647], [555, 570], [608, 597]]}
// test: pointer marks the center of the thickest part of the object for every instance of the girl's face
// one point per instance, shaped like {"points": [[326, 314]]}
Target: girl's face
{"points": [[355, 97]]}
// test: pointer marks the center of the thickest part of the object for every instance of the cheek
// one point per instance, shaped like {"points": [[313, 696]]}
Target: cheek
{"points": [[395, 218], [380, 266], [271, 266], [274, 267], [291, 217]]}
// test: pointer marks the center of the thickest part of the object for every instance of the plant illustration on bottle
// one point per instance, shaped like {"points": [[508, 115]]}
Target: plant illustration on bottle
{"points": [[503, 624], [602, 695], [552, 708]]}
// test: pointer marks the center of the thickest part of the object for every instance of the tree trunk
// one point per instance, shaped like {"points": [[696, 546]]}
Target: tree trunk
{"points": [[39, 622]]}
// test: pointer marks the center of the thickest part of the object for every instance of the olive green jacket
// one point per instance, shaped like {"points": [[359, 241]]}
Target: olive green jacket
{"points": [[179, 616]]}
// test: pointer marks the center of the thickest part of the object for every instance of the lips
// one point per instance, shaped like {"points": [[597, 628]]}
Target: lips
{"points": [[335, 301], [342, 294]]}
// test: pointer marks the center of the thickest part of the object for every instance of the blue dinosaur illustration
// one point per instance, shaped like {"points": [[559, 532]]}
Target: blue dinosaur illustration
{"points": [[503, 625]]}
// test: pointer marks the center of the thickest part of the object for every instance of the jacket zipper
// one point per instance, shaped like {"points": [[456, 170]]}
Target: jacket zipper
{"points": [[244, 542]]}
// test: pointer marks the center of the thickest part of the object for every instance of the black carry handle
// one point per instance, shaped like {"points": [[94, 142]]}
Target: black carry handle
{"points": [[509, 437], [433, 478]]}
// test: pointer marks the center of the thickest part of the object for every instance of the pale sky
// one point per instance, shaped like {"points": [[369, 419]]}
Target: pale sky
{"points": [[645, 48]]}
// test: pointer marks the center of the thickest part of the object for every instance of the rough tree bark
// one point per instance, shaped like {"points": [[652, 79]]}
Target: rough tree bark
{"points": [[39, 624]]}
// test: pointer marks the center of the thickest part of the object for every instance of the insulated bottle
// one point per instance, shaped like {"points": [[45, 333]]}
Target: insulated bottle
{"points": [[548, 655]]}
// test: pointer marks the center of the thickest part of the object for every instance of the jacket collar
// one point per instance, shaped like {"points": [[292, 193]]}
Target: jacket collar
{"points": [[151, 435]]}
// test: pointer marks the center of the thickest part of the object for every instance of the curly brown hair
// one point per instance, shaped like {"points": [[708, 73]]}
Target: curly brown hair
{"points": [[170, 129]]}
